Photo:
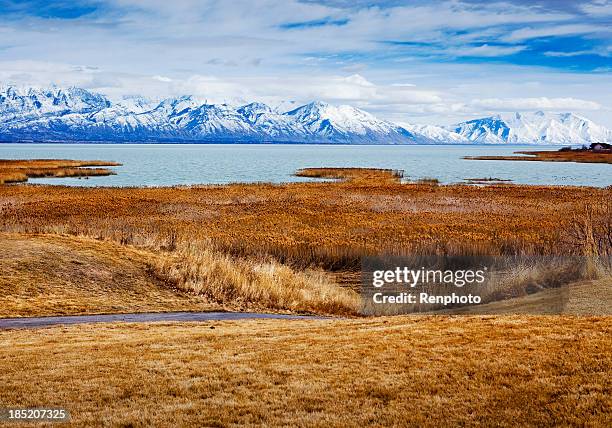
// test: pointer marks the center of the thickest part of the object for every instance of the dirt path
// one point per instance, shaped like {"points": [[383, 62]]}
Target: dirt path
{"points": [[37, 322]]}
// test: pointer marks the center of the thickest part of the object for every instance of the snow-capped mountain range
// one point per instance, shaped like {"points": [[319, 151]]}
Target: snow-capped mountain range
{"points": [[74, 114], [533, 128]]}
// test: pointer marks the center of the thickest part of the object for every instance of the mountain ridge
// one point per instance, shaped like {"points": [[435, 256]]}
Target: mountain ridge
{"points": [[76, 114], [533, 128]]}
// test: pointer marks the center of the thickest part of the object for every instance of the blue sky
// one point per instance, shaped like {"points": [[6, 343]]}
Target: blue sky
{"points": [[407, 61]]}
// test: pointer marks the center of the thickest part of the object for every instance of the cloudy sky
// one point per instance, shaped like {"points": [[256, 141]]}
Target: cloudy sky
{"points": [[406, 61]]}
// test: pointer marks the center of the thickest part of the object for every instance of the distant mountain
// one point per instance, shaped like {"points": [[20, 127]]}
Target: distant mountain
{"points": [[436, 134], [533, 128], [75, 114]]}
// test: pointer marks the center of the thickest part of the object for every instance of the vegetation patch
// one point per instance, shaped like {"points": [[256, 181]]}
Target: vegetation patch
{"points": [[294, 247], [378, 175], [428, 371], [19, 170], [597, 153]]}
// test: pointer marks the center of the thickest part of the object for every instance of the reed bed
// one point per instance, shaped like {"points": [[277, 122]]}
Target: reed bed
{"points": [[326, 225], [248, 284], [580, 156], [19, 170], [263, 229], [379, 175]]}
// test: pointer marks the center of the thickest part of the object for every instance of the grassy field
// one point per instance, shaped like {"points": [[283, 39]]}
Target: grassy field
{"points": [[580, 156], [61, 275], [56, 275], [296, 248], [292, 247], [400, 371]]}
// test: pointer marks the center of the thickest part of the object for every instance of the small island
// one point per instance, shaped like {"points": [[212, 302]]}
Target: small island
{"points": [[20, 170], [595, 153]]}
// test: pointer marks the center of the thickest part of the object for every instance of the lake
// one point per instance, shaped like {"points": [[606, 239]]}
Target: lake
{"points": [[184, 164]]}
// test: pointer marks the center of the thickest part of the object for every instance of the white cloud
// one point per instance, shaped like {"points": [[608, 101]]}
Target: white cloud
{"points": [[486, 50], [601, 8], [542, 103], [162, 78], [557, 30], [601, 51]]}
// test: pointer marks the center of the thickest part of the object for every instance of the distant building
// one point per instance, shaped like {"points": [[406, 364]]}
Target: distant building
{"points": [[598, 147]]}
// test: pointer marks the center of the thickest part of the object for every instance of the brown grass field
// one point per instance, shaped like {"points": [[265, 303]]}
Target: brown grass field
{"points": [[63, 275], [288, 247], [296, 248], [329, 224], [18, 171], [399, 371], [581, 156], [60, 275]]}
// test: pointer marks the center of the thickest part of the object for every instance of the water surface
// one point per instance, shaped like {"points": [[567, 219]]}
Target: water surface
{"points": [[184, 164]]}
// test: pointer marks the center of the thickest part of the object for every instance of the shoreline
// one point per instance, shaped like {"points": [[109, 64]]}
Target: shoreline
{"points": [[576, 156]]}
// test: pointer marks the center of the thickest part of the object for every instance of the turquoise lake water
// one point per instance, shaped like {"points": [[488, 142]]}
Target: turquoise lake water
{"points": [[185, 164]]}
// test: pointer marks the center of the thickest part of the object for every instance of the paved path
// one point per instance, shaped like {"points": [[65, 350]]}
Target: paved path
{"points": [[36, 322]]}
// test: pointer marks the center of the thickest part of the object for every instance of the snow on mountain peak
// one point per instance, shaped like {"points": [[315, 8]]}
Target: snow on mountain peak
{"points": [[533, 128], [69, 114], [30, 102]]}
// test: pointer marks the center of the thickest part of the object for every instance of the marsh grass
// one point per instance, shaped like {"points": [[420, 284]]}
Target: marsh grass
{"points": [[591, 229], [377, 175], [306, 227], [585, 156], [221, 278], [325, 225], [19, 170]]}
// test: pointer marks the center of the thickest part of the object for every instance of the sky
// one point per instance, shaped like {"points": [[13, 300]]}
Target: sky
{"points": [[436, 62]]}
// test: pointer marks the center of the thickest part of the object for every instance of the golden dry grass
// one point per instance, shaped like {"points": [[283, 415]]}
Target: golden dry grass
{"points": [[401, 371], [254, 285], [377, 175], [264, 246], [55, 275], [581, 156], [324, 224], [19, 170]]}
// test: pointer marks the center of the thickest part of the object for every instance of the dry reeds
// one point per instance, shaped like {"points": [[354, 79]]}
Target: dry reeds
{"points": [[18, 170], [377, 175], [580, 156], [328, 226], [223, 279], [590, 231]]}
